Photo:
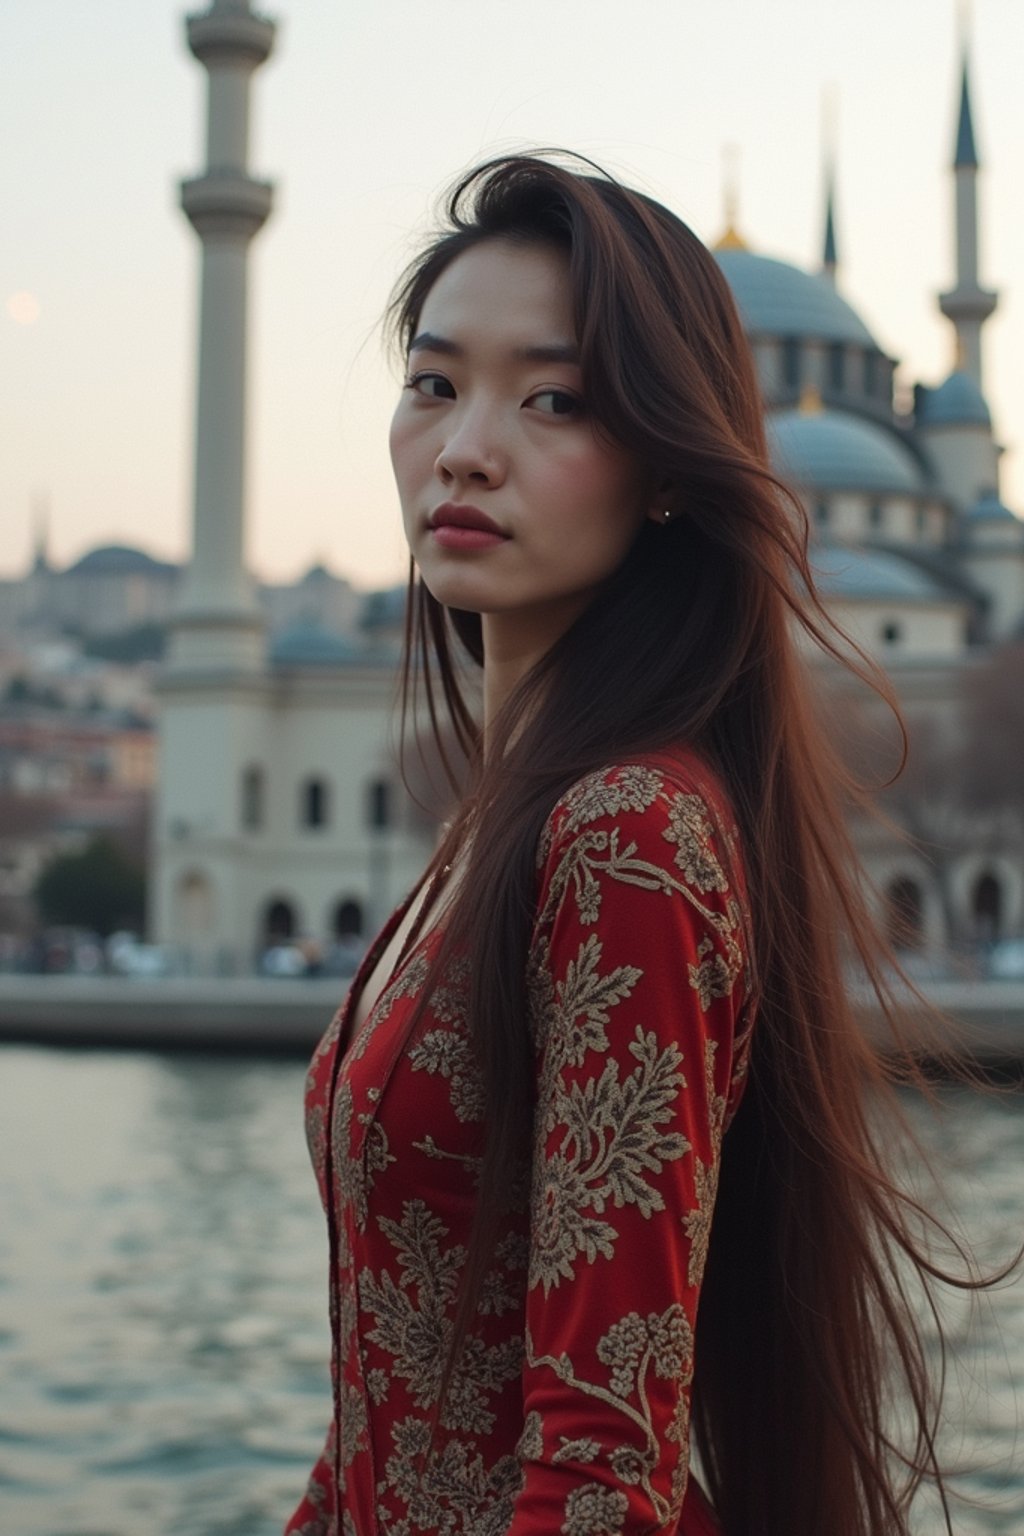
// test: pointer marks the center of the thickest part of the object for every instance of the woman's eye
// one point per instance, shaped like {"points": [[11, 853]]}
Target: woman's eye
{"points": [[432, 385], [557, 402]]}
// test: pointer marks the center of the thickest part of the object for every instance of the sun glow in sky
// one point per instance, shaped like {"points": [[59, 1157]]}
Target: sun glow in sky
{"points": [[366, 111]]}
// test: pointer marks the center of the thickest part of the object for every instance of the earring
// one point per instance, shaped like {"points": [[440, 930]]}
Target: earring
{"points": [[667, 514]]}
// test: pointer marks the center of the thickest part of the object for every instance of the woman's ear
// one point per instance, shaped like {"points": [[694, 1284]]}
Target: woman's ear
{"points": [[662, 508]]}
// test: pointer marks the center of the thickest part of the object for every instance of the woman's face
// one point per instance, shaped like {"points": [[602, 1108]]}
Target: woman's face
{"points": [[513, 504]]}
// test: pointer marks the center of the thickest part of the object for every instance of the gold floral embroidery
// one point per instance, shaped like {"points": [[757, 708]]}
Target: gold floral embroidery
{"points": [[455, 1492], [406, 984], [411, 1322], [630, 1349], [689, 827], [633, 787], [449, 1054], [594, 1511]]}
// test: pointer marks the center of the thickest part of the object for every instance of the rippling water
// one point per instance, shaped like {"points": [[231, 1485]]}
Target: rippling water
{"points": [[163, 1336]]}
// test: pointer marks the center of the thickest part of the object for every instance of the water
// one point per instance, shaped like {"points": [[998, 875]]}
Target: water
{"points": [[163, 1335]]}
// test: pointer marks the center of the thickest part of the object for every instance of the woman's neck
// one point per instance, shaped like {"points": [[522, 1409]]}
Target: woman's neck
{"points": [[513, 644]]}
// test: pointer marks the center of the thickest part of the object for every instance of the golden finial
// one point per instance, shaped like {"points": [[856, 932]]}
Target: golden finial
{"points": [[810, 401], [730, 238]]}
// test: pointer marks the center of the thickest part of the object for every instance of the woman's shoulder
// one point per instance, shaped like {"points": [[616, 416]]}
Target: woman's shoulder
{"points": [[665, 796]]}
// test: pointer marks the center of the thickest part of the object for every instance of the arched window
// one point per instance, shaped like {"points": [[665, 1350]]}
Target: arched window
{"points": [[252, 797], [821, 513], [871, 361], [380, 810], [348, 919], [905, 913], [314, 809], [876, 515], [279, 921], [791, 361], [836, 365], [987, 907]]}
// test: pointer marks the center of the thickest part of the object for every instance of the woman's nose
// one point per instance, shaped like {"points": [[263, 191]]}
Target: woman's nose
{"points": [[473, 451]]}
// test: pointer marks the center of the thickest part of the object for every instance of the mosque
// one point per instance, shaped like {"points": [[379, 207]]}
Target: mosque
{"points": [[280, 808]]}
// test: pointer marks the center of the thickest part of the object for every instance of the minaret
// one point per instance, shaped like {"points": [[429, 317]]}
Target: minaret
{"points": [[829, 257], [968, 305], [218, 623], [40, 534], [829, 260]]}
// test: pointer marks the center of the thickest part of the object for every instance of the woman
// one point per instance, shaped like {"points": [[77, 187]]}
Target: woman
{"points": [[619, 988]]}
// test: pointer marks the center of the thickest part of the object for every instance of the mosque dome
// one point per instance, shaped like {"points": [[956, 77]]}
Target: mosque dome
{"points": [[119, 560], [306, 644], [872, 575], [989, 508], [777, 299], [833, 450], [956, 402]]}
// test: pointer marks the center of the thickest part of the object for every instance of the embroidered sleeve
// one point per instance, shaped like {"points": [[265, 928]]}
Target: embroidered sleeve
{"points": [[638, 985]]}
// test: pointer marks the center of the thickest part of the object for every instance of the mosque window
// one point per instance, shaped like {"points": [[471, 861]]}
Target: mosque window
{"points": [[791, 361], [252, 797], [987, 905], [837, 365], [892, 633], [279, 922], [314, 803], [870, 372], [348, 919], [821, 513], [379, 808], [876, 515]]}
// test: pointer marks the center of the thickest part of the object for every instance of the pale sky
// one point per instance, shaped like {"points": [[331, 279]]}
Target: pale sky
{"points": [[365, 112]]}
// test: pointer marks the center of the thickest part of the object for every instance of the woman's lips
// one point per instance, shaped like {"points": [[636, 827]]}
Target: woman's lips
{"points": [[458, 536], [458, 527]]}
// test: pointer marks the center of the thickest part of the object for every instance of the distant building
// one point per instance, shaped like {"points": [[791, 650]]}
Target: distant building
{"points": [[117, 588]]}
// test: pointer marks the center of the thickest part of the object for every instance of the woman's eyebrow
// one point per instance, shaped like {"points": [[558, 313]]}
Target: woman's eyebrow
{"points": [[553, 352]]}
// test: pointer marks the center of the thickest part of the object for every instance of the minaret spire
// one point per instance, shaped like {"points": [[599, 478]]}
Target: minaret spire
{"points": [[829, 259], [730, 239], [218, 623], [967, 305], [40, 532]]}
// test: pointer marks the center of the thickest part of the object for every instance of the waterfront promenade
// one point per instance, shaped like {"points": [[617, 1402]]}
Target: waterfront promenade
{"points": [[258, 1014]]}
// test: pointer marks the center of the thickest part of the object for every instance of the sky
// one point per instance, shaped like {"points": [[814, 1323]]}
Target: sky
{"points": [[364, 114]]}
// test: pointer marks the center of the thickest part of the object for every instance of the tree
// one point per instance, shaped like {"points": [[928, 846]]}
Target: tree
{"points": [[99, 888]]}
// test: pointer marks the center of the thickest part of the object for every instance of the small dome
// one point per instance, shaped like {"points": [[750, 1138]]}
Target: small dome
{"points": [[956, 402], [873, 574], [989, 508], [384, 609], [119, 560], [777, 299], [306, 644], [832, 450]]}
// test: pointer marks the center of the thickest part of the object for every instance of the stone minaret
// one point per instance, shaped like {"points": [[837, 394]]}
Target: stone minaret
{"points": [[829, 257], [218, 623], [968, 305]]}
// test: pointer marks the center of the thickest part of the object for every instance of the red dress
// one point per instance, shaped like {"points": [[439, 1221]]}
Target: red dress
{"points": [[570, 1410]]}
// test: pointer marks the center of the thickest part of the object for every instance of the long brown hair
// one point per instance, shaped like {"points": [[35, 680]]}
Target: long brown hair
{"points": [[804, 1313]]}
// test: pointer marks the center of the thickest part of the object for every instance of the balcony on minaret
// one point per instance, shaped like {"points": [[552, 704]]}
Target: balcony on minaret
{"points": [[230, 34], [968, 302], [227, 202]]}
